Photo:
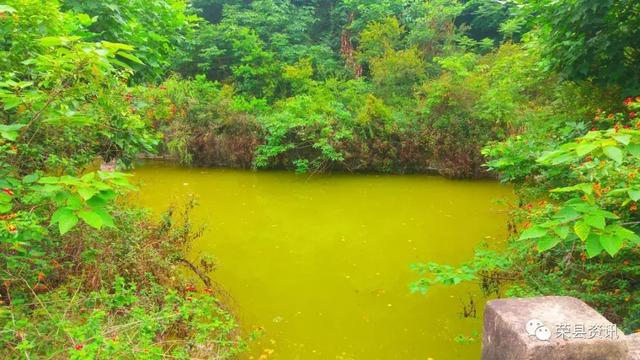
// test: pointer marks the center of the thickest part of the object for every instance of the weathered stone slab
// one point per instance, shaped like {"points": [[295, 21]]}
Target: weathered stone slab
{"points": [[549, 328], [633, 342]]}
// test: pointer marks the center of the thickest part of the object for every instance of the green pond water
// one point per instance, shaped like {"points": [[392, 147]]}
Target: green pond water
{"points": [[321, 263]]}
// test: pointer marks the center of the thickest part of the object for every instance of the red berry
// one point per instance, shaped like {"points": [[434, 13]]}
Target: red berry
{"points": [[79, 347]]}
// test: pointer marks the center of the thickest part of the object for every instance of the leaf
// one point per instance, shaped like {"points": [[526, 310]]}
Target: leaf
{"points": [[584, 149], [66, 221], [96, 201], [116, 46], [49, 180], [623, 139], [91, 218], [5, 208], [10, 132], [634, 194], [582, 229], [566, 214], [11, 101], [592, 245], [107, 220], [29, 179], [87, 192], [586, 188], [532, 233], [131, 57], [63, 211], [562, 231], [547, 243], [611, 244], [634, 149], [596, 221], [57, 40], [613, 152], [625, 233], [7, 9]]}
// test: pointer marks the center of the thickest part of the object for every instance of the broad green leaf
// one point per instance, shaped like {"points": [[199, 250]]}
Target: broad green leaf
{"points": [[634, 194], [611, 244], [634, 149], [66, 222], [624, 233], [533, 232], [547, 243], [58, 214], [116, 46], [88, 177], [562, 231], [10, 132], [592, 245], [131, 57], [586, 188], [584, 149], [5, 207], [87, 192], [107, 220], [582, 229], [97, 201], [596, 221], [613, 152], [49, 180], [58, 40], [11, 101], [5, 198], [566, 214], [91, 218], [74, 201], [7, 9], [623, 139], [29, 179]]}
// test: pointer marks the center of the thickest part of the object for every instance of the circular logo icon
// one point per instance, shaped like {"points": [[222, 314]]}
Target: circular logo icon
{"points": [[536, 328]]}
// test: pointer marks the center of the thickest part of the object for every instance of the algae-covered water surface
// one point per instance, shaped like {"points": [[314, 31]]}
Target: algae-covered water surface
{"points": [[320, 264]]}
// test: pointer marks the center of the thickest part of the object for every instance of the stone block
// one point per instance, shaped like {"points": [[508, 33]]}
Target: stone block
{"points": [[549, 328]]}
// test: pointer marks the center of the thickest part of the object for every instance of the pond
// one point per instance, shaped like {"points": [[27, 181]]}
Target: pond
{"points": [[321, 263]]}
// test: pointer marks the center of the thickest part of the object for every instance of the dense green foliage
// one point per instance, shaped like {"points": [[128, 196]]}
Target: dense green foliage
{"points": [[574, 165], [590, 39], [466, 88], [62, 109], [353, 86]]}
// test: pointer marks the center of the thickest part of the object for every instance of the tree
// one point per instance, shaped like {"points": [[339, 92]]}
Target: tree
{"points": [[590, 39]]}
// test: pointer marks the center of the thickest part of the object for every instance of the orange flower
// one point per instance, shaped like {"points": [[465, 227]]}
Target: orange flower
{"points": [[12, 228], [8, 216]]}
